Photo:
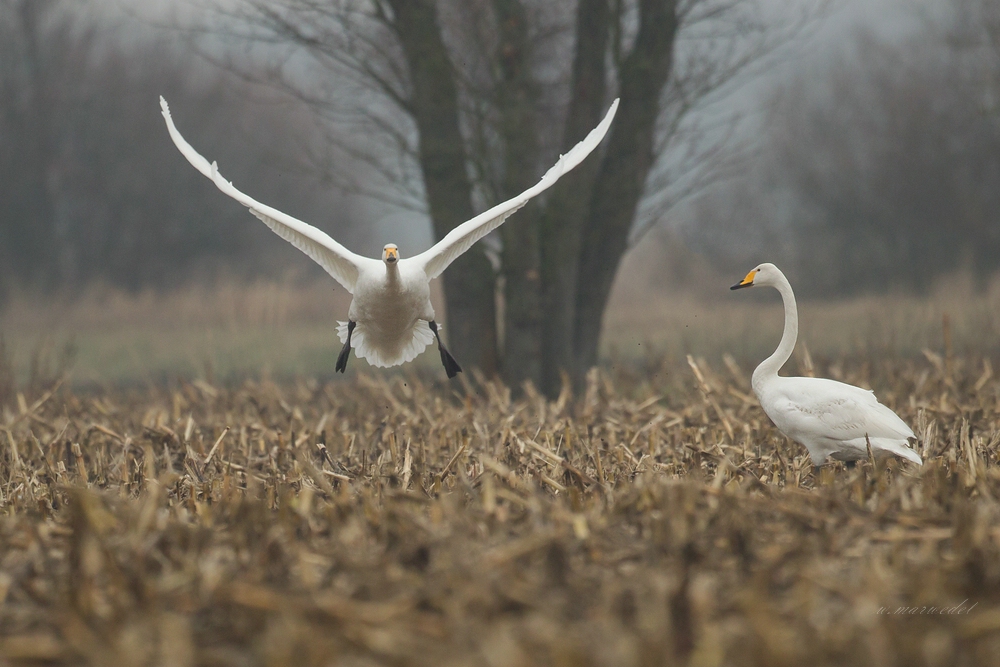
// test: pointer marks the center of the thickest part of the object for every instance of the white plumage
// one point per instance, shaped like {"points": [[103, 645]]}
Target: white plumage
{"points": [[391, 310], [830, 418]]}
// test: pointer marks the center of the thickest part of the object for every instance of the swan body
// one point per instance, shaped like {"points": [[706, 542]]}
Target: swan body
{"points": [[831, 419], [392, 308], [390, 320]]}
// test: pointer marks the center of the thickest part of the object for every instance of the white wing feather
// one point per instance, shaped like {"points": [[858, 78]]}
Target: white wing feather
{"points": [[835, 419], [337, 260], [835, 410], [457, 241]]}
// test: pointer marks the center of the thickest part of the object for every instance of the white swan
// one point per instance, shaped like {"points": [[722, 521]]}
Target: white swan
{"points": [[830, 418], [390, 320]]}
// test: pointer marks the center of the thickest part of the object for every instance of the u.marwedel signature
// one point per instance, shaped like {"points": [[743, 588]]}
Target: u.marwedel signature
{"points": [[960, 608]]}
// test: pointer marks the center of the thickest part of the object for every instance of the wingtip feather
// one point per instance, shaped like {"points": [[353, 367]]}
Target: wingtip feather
{"points": [[903, 451]]}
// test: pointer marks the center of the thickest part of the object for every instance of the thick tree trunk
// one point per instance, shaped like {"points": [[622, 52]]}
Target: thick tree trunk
{"points": [[561, 223], [469, 282], [622, 174], [516, 96]]}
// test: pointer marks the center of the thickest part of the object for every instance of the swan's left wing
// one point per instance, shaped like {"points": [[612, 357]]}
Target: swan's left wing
{"points": [[338, 261], [460, 239]]}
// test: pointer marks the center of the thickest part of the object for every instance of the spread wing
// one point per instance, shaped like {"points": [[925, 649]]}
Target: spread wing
{"points": [[460, 239], [337, 260]]}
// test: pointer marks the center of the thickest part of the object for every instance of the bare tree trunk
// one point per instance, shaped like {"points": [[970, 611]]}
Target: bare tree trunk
{"points": [[516, 97], [561, 224], [469, 282], [622, 174], [560, 257]]}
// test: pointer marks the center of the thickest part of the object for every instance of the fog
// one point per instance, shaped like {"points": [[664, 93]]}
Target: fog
{"points": [[858, 145]]}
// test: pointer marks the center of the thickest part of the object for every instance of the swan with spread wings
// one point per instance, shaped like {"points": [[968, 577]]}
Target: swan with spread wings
{"points": [[390, 320]]}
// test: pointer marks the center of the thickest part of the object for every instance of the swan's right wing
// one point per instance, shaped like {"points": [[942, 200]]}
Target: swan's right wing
{"points": [[839, 411], [337, 260], [460, 239]]}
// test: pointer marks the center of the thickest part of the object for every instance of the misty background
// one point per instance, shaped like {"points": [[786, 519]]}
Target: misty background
{"points": [[858, 149]]}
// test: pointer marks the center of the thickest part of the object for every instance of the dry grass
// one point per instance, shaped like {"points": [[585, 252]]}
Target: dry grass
{"points": [[226, 330], [393, 520], [232, 330], [285, 329], [691, 310]]}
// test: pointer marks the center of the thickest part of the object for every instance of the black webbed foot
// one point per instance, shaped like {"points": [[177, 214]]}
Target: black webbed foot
{"points": [[451, 366], [345, 352]]}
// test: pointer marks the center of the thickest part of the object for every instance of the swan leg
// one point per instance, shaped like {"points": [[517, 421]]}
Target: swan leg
{"points": [[451, 366], [345, 351]]}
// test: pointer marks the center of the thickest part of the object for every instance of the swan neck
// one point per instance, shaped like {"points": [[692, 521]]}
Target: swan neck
{"points": [[392, 272], [769, 367]]}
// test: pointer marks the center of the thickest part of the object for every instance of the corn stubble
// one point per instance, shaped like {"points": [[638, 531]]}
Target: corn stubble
{"points": [[401, 521]]}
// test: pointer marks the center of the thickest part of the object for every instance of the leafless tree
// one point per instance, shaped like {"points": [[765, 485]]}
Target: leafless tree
{"points": [[476, 98], [885, 169], [91, 188], [29, 78]]}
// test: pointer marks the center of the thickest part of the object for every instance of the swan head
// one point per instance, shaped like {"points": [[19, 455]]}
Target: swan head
{"points": [[390, 254], [765, 275]]}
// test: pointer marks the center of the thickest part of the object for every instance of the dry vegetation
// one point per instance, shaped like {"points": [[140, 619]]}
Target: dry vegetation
{"points": [[397, 520], [285, 329]]}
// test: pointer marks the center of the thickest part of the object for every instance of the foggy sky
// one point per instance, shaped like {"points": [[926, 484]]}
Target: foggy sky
{"points": [[889, 19]]}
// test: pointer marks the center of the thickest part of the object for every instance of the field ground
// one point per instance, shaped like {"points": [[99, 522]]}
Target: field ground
{"points": [[200, 490], [286, 329], [396, 520]]}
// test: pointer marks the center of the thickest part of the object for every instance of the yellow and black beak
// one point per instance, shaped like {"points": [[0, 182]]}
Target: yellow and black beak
{"points": [[746, 282], [391, 255]]}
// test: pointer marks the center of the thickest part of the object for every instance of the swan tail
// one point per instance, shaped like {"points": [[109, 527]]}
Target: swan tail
{"points": [[381, 355], [900, 449]]}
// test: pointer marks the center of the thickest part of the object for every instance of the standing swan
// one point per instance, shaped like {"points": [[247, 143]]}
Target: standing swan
{"points": [[830, 418], [391, 319]]}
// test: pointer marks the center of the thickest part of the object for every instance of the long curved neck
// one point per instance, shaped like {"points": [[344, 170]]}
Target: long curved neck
{"points": [[770, 366], [392, 273]]}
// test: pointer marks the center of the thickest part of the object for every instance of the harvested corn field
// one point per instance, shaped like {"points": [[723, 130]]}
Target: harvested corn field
{"points": [[394, 520]]}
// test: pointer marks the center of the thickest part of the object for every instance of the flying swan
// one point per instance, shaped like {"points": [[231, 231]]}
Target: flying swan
{"points": [[391, 319], [830, 418]]}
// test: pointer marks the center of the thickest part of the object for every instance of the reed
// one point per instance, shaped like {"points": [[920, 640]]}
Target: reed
{"points": [[656, 519]]}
